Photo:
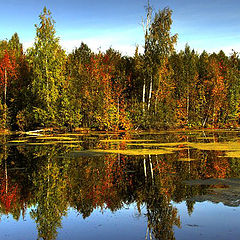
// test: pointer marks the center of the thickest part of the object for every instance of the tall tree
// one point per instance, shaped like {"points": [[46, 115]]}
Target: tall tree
{"points": [[186, 84], [7, 74], [230, 68], [19, 93], [159, 45], [15, 45], [77, 64], [48, 72]]}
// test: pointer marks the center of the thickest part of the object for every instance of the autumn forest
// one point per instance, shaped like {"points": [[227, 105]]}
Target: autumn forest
{"points": [[44, 87]]}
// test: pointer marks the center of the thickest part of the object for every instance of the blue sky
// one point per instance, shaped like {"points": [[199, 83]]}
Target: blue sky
{"points": [[207, 24]]}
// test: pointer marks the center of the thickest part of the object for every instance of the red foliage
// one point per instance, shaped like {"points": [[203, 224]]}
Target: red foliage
{"points": [[7, 68], [8, 195]]}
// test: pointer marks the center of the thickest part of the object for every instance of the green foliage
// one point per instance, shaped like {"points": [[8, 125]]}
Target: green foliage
{"points": [[47, 60], [51, 205], [160, 88], [77, 76]]}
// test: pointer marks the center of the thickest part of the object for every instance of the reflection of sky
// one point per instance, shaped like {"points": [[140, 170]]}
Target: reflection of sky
{"points": [[210, 25], [122, 224], [22, 229], [208, 221]]}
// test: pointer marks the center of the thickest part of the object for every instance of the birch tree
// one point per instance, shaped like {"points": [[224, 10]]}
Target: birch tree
{"points": [[159, 45], [48, 67]]}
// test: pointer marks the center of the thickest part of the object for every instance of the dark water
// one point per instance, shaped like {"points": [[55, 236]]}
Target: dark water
{"points": [[166, 185]]}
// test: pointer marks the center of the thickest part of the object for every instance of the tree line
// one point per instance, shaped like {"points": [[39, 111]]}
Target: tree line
{"points": [[160, 88]]}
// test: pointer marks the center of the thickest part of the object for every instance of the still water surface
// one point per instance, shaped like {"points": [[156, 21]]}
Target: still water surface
{"points": [[166, 185]]}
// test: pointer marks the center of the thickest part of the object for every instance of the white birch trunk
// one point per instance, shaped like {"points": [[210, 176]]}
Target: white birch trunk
{"points": [[150, 93], [145, 169], [144, 92]]}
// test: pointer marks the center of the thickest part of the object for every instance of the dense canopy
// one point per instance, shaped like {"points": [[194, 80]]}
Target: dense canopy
{"points": [[161, 88]]}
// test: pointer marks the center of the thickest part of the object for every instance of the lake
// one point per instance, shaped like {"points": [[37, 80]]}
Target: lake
{"points": [[161, 185]]}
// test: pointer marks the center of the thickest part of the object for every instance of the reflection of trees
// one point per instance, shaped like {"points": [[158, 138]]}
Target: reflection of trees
{"points": [[109, 182], [162, 216], [101, 183], [51, 184], [10, 196], [8, 193], [154, 187], [50, 189]]}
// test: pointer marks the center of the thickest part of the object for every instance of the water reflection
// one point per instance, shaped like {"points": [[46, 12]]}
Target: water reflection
{"points": [[49, 179]]}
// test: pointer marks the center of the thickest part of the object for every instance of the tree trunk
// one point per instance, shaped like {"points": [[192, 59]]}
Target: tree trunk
{"points": [[150, 93], [151, 167], [144, 166], [144, 92], [146, 237]]}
